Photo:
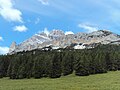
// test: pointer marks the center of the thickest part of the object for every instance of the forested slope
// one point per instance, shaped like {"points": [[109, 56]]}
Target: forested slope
{"points": [[62, 62]]}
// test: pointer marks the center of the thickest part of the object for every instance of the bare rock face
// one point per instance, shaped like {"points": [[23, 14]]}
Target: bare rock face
{"points": [[56, 33], [12, 47], [57, 38]]}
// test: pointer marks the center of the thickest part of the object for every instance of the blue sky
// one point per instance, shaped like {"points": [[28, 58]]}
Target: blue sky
{"points": [[20, 19]]}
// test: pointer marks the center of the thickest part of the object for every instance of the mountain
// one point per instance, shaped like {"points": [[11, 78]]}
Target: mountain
{"points": [[57, 39]]}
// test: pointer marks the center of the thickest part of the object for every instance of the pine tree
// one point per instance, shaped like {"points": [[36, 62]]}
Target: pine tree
{"points": [[38, 69], [92, 63], [118, 60], [1, 67], [67, 64], [55, 71], [4, 63], [112, 65], [82, 66], [14, 69], [101, 63]]}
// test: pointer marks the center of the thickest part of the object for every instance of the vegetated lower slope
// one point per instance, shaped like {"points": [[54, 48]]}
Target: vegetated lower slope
{"points": [[107, 81], [61, 62]]}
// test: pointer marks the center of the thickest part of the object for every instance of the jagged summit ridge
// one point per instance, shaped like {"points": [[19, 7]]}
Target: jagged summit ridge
{"points": [[57, 38]]}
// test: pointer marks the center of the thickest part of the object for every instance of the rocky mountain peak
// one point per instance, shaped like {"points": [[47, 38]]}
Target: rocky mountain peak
{"points": [[106, 32], [101, 32], [42, 34], [12, 47], [57, 38], [56, 33]]}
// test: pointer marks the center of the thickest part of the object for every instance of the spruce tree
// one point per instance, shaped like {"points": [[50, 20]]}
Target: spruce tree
{"points": [[67, 64], [38, 69], [55, 71], [82, 66]]}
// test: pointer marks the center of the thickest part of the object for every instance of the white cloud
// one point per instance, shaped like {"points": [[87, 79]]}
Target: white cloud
{"points": [[8, 12], [68, 32], [1, 39], [44, 2], [4, 50], [46, 31], [20, 28], [37, 21], [89, 28]]}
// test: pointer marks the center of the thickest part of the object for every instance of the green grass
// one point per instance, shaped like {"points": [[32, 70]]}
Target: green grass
{"points": [[108, 81]]}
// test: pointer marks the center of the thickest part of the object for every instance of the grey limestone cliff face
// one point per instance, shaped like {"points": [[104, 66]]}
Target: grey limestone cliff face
{"points": [[12, 47], [57, 38]]}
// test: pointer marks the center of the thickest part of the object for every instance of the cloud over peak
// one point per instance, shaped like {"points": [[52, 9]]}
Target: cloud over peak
{"points": [[46, 31], [88, 28], [21, 28], [8, 12]]}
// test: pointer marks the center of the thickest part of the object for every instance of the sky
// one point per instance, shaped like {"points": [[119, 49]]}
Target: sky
{"points": [[20, 19]]}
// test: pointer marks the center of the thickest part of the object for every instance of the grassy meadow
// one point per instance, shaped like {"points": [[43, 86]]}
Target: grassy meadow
{"points": [[107, 81]]}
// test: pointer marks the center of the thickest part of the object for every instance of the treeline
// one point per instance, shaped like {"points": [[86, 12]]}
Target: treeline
{"points": [[62, 62]]}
